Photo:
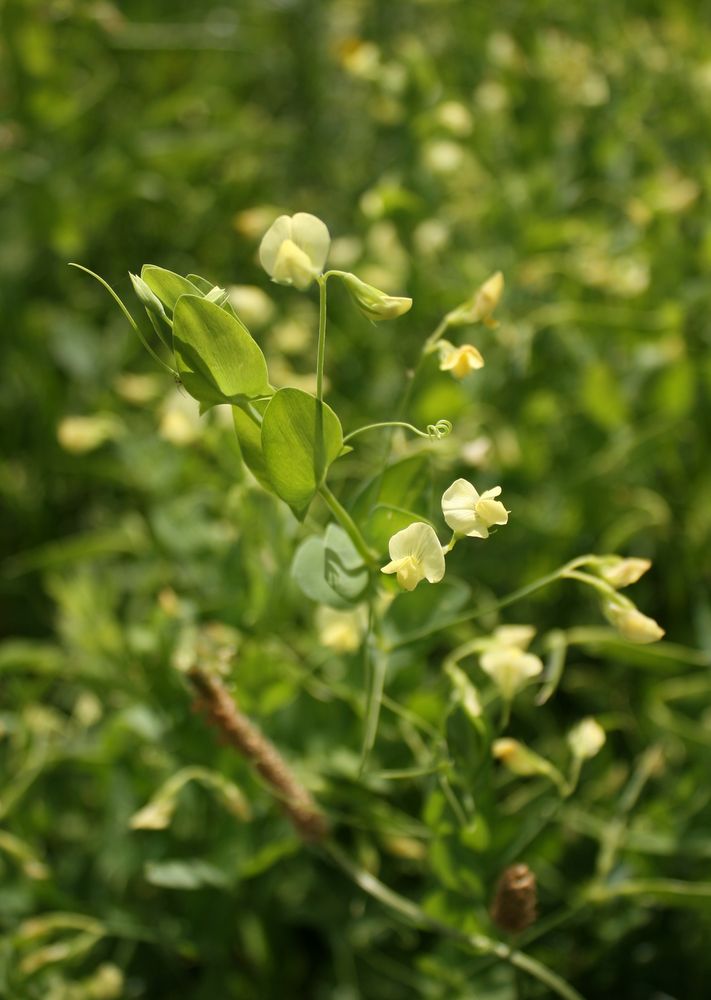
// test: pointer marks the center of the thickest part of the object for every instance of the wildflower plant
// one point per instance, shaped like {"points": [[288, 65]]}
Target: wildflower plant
{"points": [[381, 543]]}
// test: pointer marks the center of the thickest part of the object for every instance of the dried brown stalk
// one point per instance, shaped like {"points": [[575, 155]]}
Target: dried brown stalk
{"points": [[217, 704]]}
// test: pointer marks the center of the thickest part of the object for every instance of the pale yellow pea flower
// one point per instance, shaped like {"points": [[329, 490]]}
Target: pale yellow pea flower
{"points": [[415, 554], [460, 361], [294, 249], [510, 668], [469, 513]]}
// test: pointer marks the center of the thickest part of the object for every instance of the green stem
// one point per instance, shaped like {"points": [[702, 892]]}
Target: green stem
{"points": [[437, 335], [348, 525], [321, 353], [479, 943], [562, 573], [128, 316]]}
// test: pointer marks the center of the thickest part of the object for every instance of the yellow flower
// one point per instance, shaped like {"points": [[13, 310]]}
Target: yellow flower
{"points": [[294, 249], [468, 513], [479, 308], [341, 631], [460, 361], [487, 299], [510, 668], [415, 554]]}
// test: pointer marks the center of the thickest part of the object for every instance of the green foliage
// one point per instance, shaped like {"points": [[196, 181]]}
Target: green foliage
{"points": [[563, 144], [301, 437], [218, 360]]}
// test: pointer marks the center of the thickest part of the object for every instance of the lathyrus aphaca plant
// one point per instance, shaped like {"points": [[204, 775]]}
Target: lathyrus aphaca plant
{"points": [[378, 547]]}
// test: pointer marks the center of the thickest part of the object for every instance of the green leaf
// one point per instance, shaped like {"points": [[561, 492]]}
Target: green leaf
{"points": [[329, 569], [249, 434], [202, 284], [300, 439], [167, 286], [218, 360], [402, 484]]}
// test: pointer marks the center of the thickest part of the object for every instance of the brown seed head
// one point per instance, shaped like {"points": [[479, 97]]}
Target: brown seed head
{"points": [[514, 906]]}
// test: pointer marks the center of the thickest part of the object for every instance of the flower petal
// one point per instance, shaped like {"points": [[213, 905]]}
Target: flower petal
{"points": [[312, 236], [272, 240], [459, 506]]}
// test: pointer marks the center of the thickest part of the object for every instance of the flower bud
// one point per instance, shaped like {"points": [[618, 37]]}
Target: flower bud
{"points": [[374, 304], [619, 572], [147, 297], [524, 762], [479, 308], [630, 622], [487, 298], [586, 738]]}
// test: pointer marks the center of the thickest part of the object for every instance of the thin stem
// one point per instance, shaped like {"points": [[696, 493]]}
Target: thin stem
{"points": [[437, 335], [321, 353], [479, 943], [512, 598], [128, 316], [348, 525]]}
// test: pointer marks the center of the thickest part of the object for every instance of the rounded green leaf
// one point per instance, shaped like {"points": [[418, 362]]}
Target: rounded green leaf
{"points": [[300, 438], [218, 360], [330, 570]]}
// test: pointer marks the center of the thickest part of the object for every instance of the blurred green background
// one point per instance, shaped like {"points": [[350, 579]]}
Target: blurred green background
{"points": [[565, 144]]}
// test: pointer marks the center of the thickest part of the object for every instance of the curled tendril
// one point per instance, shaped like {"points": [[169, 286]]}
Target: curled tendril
{"points": [[435, 432]]}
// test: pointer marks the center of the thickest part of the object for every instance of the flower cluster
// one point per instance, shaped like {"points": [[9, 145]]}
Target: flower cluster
{"points": [[416, 553]]}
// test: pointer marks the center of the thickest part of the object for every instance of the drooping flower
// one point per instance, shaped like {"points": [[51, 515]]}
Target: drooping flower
{"points": [[480, 307], [374, 304], [620, 572], [294, 249], [469, 513], [510, 668], [415, 554], [630, 622], [460, 361], [488, 297]]}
